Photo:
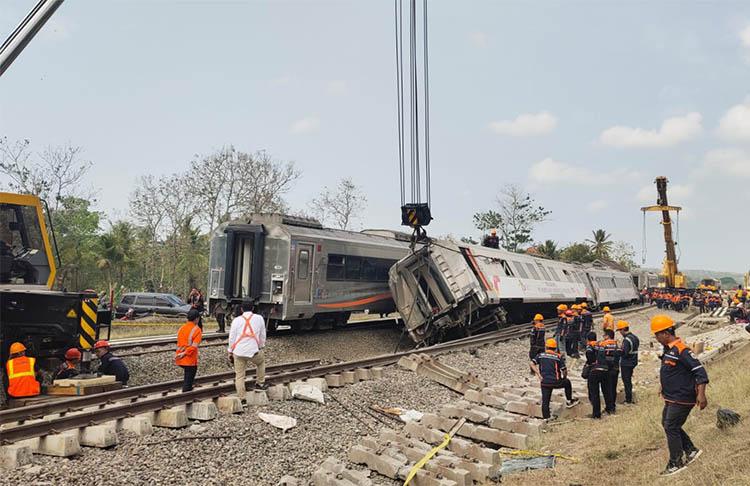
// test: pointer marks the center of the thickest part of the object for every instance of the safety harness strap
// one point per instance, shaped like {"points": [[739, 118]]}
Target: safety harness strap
{"points": [[247, 333]]}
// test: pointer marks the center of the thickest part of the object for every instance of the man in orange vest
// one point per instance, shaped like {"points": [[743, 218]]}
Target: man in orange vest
{"points": [[247, 337], [21, 376], [186, 356]]}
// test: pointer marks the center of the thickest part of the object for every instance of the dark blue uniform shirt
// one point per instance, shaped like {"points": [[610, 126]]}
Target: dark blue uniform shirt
{"points": [[551, 366], [680, 372], [630, 344]]}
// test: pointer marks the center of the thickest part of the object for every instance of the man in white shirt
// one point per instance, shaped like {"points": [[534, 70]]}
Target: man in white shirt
{"points": [[247, 337]]}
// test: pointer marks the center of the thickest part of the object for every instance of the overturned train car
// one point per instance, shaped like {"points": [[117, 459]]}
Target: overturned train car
{"points": [[445, 288]]}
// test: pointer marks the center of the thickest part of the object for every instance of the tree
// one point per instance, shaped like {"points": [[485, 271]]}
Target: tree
{"points": [[600, 244], [623, 253], [53, 174], [340, 207], [549, 249], [577, 252], [516, 219], [76, 229], [116, 253], [233, 184]]}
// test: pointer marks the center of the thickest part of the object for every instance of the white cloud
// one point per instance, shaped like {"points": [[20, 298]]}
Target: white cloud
{"points": [[479, 39], [735, 124], [305, 125], [672, 131], [550, 171], [527, 124], [731, 162], [282, 80], [677, 194], [337, 87], [597, 205], [745, 36]]}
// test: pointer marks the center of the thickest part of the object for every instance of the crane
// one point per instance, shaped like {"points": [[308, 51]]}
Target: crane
{"points": [[26, 30], [672, 277]]}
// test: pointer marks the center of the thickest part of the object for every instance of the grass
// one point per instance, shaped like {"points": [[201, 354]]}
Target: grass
{"points": [[630, 448]]}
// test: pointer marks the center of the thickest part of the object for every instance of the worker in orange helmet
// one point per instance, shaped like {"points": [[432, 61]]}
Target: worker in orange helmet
{"points": [[186, 356], [536, 337], [550, 368], [111, 364], [683, 385], [69, 368], [491, 240], [608, 320], [22, 380], [628, 358]]}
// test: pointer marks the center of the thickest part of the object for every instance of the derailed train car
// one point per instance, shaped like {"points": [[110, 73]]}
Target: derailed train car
{"points": [[299, 273], [444, 287]]}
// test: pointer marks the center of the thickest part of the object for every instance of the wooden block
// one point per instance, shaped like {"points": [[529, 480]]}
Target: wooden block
{"points": [[100, 380]]}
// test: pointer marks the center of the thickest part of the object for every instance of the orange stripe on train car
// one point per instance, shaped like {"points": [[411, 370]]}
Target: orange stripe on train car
{"points": [[354, 303]]}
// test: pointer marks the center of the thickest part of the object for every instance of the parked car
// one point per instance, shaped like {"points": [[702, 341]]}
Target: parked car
{"points": [[144, 303]]}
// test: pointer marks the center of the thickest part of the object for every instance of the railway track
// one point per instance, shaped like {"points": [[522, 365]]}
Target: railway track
{"points": [[60, 415]]}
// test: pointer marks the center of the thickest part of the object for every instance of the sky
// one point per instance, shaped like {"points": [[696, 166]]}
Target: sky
{"points": [[582, 104]]}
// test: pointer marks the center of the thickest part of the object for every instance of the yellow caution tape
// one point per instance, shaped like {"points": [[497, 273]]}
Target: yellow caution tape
{"points": [[529, 453], [426, 458]]}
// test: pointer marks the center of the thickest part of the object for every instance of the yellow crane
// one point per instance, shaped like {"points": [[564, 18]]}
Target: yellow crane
{"points": [[672, 277]]}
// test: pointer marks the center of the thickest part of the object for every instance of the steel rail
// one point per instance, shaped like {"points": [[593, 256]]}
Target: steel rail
{"points": [[65, 405]]}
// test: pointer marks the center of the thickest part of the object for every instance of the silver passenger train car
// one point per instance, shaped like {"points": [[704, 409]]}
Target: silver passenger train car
{"points": [[444, 287], [299, 273]]}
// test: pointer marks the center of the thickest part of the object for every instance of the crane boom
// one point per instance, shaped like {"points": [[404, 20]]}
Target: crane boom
{"points": [[26, 30], [673, 279]]}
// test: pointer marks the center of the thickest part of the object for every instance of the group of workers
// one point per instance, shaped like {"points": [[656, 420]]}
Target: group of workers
{"points": [[25, 380], [683, 378], [247, 338]]}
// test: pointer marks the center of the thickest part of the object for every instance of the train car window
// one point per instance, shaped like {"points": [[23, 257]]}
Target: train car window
{"points": [[368, 269], [567, 275], [532, 271], [381, 269], [577, 277], [543, 272], [335, 267], [303, 265], [519, 270], [554, 274], [353, 267], [507, 269]]}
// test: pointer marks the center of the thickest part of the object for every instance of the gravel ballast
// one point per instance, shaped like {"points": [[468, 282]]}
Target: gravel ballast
{"points": [[255, 453]]}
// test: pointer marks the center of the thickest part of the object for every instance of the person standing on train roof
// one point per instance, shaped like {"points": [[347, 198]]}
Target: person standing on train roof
{"points": [[247, 337], [186, 355], [628, 358], [608, 320], [552, 373], [683, 386], [21, 373], [491, 240], [536, 337]]}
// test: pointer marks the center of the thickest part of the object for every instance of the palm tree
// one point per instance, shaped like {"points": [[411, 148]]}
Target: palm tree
{"points": [[549, 250], [601, 244]]}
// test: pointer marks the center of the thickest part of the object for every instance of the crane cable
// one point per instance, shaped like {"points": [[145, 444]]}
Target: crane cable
{"points": [[400, 95], [643, 243], [426, 106]]}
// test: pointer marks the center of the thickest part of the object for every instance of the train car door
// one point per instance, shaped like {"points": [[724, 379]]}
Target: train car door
{"points": [[303, 274]]}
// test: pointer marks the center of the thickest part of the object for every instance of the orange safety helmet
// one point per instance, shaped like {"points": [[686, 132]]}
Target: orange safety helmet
{"points": [[102, 343], [551, 343], [584, 305], [622, 325], [562, 307], [660, 323], [17, 348], [538, 317], [606, 308], [72, 354]]}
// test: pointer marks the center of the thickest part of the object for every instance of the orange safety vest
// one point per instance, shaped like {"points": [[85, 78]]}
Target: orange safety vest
{"points": [[247, 333], [188, 338], [21, 380]]}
